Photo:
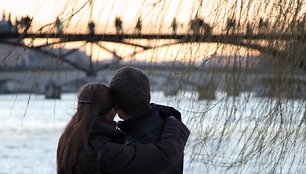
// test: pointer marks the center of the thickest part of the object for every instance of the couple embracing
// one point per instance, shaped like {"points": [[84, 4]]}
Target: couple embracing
{"points": [[150, 139]]}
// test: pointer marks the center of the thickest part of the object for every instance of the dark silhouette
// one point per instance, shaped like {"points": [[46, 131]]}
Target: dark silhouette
{"points": [[195, 25], [91, 28], [142, 121], [230, 26], [199, 27], [59, 26], [9, 21], [91, 143], [24, 24], [118, 25], [249, 28], [6, 24], [174, 26], [138, 26], [52, 90], [262, 25]]}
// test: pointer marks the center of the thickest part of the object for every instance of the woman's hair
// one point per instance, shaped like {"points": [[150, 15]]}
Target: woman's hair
{"points": [[94, 101]]}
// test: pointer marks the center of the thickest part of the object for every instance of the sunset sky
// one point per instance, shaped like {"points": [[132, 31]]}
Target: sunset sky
{"points": [[157, 16], [156, 13], [100, 11]]}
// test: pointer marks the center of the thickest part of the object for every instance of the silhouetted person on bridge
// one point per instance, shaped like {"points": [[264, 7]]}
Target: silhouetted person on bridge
{"points": [[199, 27], [262, 25], [16, 25], [174, 26], [118, 25], [230, 26], [91, 27], [59, 26], [195, 25], [249, 28], [24, 24], [138, 26]]}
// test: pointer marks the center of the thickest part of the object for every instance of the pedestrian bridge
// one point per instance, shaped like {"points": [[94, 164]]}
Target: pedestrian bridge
{"points": [[168, 79], [252, 41]]}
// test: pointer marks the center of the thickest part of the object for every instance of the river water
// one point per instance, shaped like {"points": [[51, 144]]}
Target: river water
{"points": [[228, 135]]}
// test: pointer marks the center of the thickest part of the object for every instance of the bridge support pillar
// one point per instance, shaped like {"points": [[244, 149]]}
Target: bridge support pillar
{"points": [[52, 90], [233, 88], [208, 91], [171, 88]]}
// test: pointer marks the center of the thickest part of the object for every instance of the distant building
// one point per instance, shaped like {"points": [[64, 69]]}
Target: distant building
{"points": [[6, 25], [10, 55]]}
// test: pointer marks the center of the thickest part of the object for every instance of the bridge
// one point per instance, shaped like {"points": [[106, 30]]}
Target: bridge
{"points": [[244, 40], [252, 41], [205, 85]]}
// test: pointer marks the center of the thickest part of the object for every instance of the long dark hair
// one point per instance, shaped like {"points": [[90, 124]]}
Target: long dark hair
{"points": [[94, 101]]}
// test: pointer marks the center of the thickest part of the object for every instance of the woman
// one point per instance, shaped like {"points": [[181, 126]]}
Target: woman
{"points": [[91, 143]]}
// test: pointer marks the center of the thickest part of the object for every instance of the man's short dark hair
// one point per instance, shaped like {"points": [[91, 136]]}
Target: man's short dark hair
{"points": [[131, 90]]}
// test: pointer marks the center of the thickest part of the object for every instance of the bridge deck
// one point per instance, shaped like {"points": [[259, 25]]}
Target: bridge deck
{"points": [[185, 37]]}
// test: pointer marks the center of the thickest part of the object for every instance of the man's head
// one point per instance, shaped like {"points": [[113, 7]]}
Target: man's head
{"points": [[131, 91]]}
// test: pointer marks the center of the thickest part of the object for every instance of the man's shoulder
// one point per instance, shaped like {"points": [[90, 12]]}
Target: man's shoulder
{"points": [[166, 111], [146, 129]]}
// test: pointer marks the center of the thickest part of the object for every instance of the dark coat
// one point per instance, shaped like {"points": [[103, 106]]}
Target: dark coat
{"points": [[147, 128], [112, 157]]}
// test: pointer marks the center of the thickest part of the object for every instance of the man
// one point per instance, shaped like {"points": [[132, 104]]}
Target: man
{"points": [[143, 122]]}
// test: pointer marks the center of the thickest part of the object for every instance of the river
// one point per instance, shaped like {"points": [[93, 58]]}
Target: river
{"points": [[228, 135]]}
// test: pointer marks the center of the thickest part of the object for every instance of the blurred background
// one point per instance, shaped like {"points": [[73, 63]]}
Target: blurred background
{"points": [[235, 69]]}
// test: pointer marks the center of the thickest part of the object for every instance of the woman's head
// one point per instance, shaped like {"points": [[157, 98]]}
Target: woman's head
{"points": [[94, 101], [97, 97]]}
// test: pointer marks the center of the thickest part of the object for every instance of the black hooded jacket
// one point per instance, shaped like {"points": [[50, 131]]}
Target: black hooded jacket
{"points": [[111, 157], [147, 128]]}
